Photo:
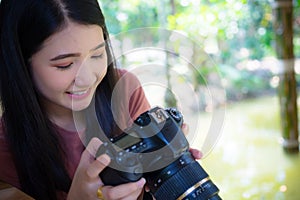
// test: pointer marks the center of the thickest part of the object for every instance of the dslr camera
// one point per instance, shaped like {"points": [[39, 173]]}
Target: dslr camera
{"points": [[155, 147]]}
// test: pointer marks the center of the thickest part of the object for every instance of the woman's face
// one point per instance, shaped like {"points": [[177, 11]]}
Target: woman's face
{"points": [[69, 67]]}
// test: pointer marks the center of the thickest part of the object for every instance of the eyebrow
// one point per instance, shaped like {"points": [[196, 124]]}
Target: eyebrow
{"points": [[62, 56], [98, 47]]}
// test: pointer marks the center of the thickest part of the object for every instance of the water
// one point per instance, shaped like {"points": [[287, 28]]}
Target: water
{"points": [[248, 161]]}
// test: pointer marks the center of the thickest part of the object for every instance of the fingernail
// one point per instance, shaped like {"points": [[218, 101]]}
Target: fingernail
{"points": [[141, 183], [104, 159]]}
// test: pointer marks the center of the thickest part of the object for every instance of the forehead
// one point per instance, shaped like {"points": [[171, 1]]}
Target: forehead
{"points": [[73, 38]]}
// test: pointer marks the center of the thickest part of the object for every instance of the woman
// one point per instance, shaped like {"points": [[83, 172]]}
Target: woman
{"points": [[55, 58]]}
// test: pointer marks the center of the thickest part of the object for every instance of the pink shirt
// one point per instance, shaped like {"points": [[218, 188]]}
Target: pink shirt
{"points": [[133, 98]]}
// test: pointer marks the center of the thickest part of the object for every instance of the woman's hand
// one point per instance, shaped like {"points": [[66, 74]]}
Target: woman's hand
{"points": [[126, 191], [86, 180]]}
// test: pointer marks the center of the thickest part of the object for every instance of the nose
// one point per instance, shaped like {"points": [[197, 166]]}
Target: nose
{"points": [[85, 76]]}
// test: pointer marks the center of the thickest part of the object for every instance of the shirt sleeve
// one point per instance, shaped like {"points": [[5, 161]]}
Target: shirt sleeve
{"points": [[128, 99]]}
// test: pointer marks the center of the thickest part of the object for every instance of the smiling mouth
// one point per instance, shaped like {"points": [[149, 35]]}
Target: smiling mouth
{"points": [[78, 93]]}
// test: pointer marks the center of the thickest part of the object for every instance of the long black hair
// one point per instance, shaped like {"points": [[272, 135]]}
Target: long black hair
{"points": [[34, 143]]}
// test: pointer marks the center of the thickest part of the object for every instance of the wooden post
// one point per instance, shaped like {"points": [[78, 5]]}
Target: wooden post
{"points": [[283, 28]]}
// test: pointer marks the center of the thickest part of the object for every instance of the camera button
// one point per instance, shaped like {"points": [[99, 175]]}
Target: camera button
{"points": [[133, 147], [119, 160], [138, 170]]}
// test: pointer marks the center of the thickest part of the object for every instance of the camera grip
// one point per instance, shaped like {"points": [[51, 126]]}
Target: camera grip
{"points": [[124, 167], [113, 177]]}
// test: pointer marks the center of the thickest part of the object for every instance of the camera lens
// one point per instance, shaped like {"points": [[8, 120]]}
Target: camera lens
{"points": [[184, 179]]}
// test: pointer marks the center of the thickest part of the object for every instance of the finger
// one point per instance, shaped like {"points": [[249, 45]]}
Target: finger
{"points": [[98, 165], [185, 129], [93, 146], [147, 189], [133, 195], [196, 153], [88, 155], [124, 190]]}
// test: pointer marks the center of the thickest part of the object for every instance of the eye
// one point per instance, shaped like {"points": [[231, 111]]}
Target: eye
{"points": [[64, 67], [99, 56]]}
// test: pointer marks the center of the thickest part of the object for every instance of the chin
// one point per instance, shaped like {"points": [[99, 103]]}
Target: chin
{"points": [[80, 106]]}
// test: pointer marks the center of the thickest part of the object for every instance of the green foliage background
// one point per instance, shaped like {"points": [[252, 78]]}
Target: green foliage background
{"points": [[235, 24], [230, 31]]}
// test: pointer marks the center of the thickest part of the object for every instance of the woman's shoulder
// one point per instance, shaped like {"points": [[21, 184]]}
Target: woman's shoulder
{"points": [[131, 91], [124, 73], [121, 72], [127, 81]]}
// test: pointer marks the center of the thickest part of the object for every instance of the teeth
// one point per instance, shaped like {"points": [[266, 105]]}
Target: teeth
{"points": [[79, 93]]}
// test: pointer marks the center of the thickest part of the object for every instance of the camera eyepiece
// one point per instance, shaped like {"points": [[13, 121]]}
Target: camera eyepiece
{"points": [[143, 120]]}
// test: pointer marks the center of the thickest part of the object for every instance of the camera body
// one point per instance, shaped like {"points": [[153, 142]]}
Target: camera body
{"points": [[131, 152], [155, 147]]}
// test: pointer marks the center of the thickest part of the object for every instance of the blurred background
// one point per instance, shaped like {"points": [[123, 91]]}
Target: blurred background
{"points": [[237, 58]]}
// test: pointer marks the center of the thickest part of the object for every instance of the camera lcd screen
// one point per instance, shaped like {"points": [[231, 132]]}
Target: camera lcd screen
{"points": [[128, 141]]}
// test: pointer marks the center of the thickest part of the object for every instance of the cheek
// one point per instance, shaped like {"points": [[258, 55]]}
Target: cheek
{"points": [[102, 73], [100, 69], [49, 80]]}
